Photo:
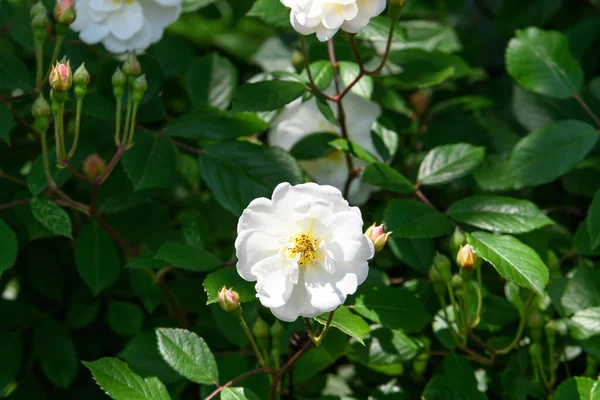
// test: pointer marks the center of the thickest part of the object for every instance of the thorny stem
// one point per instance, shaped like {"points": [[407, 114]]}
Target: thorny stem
{"points": [[59, 124], [257, 351], [14, 204], [234, 381], [77, 126], [118, 119], [39, 63], [587, 109], [132, 127]]}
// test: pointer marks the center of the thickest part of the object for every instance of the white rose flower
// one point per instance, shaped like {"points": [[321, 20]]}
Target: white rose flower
{"points": [[305, 249], [326, 17], [298, 120], [124, 25]]}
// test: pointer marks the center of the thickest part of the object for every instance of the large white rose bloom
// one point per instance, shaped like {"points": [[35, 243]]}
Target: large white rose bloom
{"points": [[326, 17], [298, 120], [305, 249], [124, 25]]}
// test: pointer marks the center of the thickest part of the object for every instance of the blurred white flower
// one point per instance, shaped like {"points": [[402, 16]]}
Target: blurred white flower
{"points": [[298, 120], [305, 249], [124, 25], [326, 17]]}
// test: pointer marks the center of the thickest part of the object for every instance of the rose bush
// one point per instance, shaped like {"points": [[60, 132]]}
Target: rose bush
{"points": [[299, 199]]}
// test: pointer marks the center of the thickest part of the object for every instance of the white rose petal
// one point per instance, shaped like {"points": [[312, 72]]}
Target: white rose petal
{"points": [[326, 17], [298, 120], [305, 249], [124, 25]]}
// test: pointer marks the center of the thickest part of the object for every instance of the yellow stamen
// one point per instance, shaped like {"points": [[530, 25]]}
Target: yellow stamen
{"points": [[306, 247]]}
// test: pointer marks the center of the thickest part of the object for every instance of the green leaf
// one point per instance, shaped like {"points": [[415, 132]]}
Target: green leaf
{"points": [[392, 307], [412, 219], [516, 262], [96, 257], [7, 123], [499, 214], [188, 354], [317, 359], [354, 149], [120, 383], [188, 257], [80, 315], [36, 179], [421, 69], [582, 291], [195, 228], [450, 162], [347, 322], [11, 354], [385, 351], [348, 73], [229, 278], [51, 216], [585, 323], [211, 81], [237, 172], [387, 178], [495, 174], [593, 221], [427, 35], [56, 353], [416, 253], [541, 62], [313, 146], [266, 95], [142, 355], [238, 393], [143, 286], [550, 152], [577, 388], [125, 318], [14, 74], [214, 125], [9, 247], [322, 74], [151, 162], [273, 12], [147, 261]]}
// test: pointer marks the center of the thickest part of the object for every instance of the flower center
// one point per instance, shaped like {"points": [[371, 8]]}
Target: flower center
{"points": [[304, 246], [123, 1]]}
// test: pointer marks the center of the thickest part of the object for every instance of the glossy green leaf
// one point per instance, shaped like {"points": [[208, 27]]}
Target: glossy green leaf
{"points": [[51, 216], [450, 162], [550, 152], [125, 318], [322, 74], [120, 383], [151, 162], [317, 359], [188, 354], [313, 146], [14, 74], [229, 278], [211, 81], [237, 172], [499, 214], [272, 12], [9, 247], [354, 149], [188, 257], [347, 322], [349, 72], [582, 291], [387, 178], [392, 307], [214, 125], [56, 353], [585, 323], [593, 221], [577, 388], [541, 61], [238, 393], [96, 257], [513, 260], [412, 219], [266, 95]]}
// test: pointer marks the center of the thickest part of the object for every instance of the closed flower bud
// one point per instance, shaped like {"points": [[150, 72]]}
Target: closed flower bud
{"points": [[131, 66], [277, 330], [439, 286], [81, 80], [40, 108], [229, 299], [40, 23], [139, 88], [442, 264], [457, 282], [37, 8], [395, 8], [93, 166], [377, 236], [466, 258], [64, 12], [458, 240], [260, 329], [119, 80], [61, 77]]}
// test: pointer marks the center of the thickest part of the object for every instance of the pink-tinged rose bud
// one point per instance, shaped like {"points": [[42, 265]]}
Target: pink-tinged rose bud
{"points": [[466, 258], [61, 77], [229, 299], [93, 166], [64, 12], [131, 66], [378, 236]]}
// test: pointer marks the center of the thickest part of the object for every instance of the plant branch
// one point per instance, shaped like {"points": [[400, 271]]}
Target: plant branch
{"points": [[519, 328], [587, 109], [14, 204], [234, 381]]}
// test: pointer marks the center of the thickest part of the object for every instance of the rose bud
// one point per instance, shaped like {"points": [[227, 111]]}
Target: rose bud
{"points": [[229, 299]]}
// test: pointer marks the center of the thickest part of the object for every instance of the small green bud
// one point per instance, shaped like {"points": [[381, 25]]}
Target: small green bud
{"points": [[139, 88], [466, 258], [260, 329], [443, 265], [40, 108], [119, 80], [229, 299], [535, 350], [457, 282], [439, 286], [457, 240], [81, 80], [93, 166], [395, 8], [131, 66], [536, 319], [37, 9], [277, 330], [39, 24]]}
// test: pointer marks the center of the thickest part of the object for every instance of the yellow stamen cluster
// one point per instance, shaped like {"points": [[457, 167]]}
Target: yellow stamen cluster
{"points": [[306, 247]]}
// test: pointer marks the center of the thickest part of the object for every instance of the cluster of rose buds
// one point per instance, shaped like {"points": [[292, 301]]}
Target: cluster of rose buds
{"points": [[378, 236]]}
